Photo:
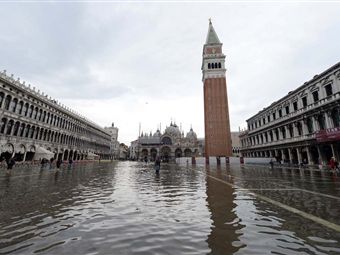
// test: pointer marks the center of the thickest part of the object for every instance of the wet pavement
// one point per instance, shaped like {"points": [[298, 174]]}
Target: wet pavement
{"points": [[126, 208]]}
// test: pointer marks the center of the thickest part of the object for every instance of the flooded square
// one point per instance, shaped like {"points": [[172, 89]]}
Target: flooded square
{"points": [[126, 208]]}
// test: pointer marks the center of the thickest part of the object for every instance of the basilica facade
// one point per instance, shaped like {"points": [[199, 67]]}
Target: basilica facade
{"points": [[169, 145]]}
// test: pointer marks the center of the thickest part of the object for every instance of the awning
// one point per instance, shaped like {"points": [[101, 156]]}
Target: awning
{"points": [[91, 155], [41, 153]]}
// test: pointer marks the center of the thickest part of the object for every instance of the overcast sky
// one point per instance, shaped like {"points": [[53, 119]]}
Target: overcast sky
{"points": [[141, 62]]}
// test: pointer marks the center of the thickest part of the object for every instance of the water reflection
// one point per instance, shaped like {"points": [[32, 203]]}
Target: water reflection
{"points": [[41, 204], [127, 208], [224, 235]]}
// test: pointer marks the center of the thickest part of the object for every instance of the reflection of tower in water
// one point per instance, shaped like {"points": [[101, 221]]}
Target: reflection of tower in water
{"points": [[223, 236]]}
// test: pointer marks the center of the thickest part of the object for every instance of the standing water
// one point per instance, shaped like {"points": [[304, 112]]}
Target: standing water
{"points": [[127, 208]]}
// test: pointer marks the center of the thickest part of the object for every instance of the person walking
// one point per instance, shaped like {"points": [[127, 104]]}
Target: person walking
{"points": [[332, 163], [157, 164], [10, 164], [58, 164]]}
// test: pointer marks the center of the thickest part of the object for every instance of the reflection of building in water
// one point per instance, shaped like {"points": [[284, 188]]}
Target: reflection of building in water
{"points": [[33, 125], [303, 126], [221, 205], [168, 145]]}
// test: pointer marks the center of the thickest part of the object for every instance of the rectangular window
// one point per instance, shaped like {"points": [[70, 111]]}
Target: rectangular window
{"points": [[295, 106], [287, 109], [328, 90], [280, 113], [274, 117], [268, 118], [264, 121], [304, 101], [315, 96]]}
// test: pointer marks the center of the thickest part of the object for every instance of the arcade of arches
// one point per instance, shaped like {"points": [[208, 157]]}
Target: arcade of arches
{"points": [[30, 121]]}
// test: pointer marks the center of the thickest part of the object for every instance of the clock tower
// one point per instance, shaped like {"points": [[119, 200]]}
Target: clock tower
{"points": [[216, 112]]}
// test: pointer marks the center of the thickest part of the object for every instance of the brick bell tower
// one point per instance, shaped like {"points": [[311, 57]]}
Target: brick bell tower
{"points": [[216, 112]]}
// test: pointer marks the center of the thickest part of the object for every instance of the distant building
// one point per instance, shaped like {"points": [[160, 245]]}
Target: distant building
{"points": [[235, 143], [123, 151], [168, 145], [134, 150], [301, 127], [216, 113], [114, 144]]}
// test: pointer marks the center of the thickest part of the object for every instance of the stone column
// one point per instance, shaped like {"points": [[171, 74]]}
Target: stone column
{"points": [[334, 153], [309, 156], [328, 119], [315, 124], [283, 155], [271, 154], [24, 158], [304, 127], [287, 132], [321, 159], [290, 155], [298, 150], [280, 134], [295, 130]]}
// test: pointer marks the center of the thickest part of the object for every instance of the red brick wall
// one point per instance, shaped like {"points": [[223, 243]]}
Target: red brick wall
{"points": [[216, 118]]}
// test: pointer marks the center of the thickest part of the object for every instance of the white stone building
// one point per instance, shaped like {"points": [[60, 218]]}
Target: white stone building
{"points": [[303, 126], [235, 143], [114, 145], [33, 125]]}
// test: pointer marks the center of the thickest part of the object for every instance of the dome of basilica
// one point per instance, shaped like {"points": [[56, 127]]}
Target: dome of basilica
{"points": [[173, 131], [158, 133], [191, 135]]}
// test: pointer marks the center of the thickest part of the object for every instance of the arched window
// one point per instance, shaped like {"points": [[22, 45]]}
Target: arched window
{"points": [[166, 140], [9, 127], [219, 65], [19, 107], [310, 125], [290, 128], [215, 65], [2, 96], [3, 125], [31, 132], [283, 131], [41, 134], [37, 133], [25, 109], [321, 121], [35, 113], [16, 128], [335, 117], [14, 104], [22, 129], [277, 134], [27, 131], [45, 135], [39, 115], [29, 111], [209, 66], [48, 118], [43, 117], [7, 102]]}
